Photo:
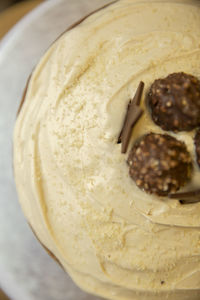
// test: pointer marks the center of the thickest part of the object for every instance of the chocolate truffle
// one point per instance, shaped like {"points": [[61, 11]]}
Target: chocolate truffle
{"points": [[175, 102], [197, 145], [159, 164]]}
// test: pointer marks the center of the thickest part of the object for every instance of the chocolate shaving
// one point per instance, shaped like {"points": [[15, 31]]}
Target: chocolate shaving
{"points": [[187, 197], [133, 114]]}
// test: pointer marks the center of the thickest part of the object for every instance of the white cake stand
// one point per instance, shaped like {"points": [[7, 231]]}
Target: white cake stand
{"points": [[26, 270]]}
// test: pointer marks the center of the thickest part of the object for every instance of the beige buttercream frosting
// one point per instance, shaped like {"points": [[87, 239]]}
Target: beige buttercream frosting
{"points": [[73, 181]]}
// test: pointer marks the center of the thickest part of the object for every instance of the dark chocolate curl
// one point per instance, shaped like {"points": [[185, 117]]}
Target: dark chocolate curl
{"points": [[133, 114]]}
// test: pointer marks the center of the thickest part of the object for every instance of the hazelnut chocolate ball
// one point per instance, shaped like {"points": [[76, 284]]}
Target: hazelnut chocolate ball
{"points": [[197, 146], [175, 102], [159, 164]]}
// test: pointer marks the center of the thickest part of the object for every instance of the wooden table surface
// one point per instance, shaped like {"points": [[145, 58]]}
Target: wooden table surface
{"points": [[8, 19], [12, 15], [3, 296]]}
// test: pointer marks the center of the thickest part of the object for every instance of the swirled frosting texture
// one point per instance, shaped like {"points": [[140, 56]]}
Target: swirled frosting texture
{"points": [[73, 181]]}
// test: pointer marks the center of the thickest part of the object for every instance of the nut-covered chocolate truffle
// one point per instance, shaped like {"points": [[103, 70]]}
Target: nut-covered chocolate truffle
{"points": [[159, 164], [175, 102], [197, 145]]}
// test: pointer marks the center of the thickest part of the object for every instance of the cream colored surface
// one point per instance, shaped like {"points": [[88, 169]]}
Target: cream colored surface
{"points": [[73, 181]]}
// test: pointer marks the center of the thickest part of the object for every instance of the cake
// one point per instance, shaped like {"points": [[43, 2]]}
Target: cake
{"points": [[107, 151]]}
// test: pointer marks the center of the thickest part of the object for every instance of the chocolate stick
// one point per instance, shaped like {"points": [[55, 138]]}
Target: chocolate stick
{"points": [[187, 197], [133, 114], [138, 96], [120, 136], [189, 201]]}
